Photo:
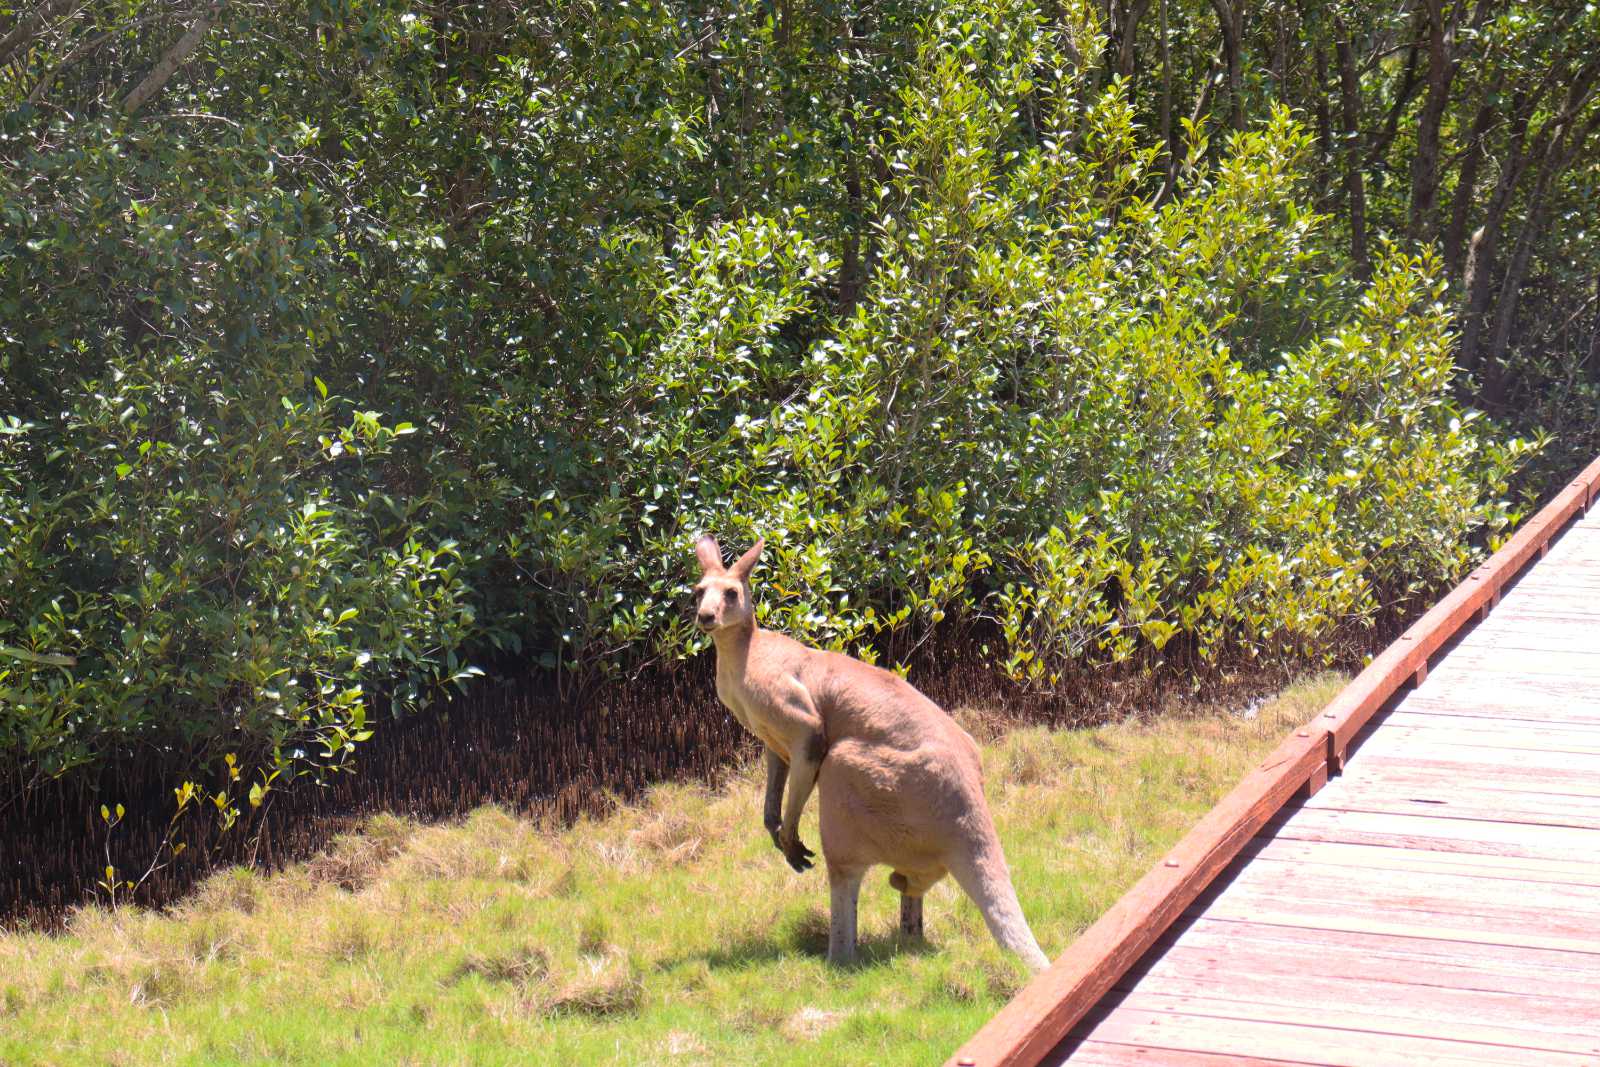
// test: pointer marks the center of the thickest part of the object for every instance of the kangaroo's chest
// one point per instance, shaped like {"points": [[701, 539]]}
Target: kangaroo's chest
{"points": [[754, 713]]}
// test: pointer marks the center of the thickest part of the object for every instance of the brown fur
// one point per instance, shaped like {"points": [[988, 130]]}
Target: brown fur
{"points": [[900, 783]]}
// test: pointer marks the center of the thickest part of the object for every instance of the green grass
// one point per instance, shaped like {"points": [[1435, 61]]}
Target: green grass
{"points": [[668, 932]]}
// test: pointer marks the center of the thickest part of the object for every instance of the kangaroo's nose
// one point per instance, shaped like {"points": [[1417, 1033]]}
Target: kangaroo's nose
{"points": [[706, 618]]}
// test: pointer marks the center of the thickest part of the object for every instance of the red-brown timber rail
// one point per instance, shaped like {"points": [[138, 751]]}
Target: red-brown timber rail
{"points": [[1045, 1012]]}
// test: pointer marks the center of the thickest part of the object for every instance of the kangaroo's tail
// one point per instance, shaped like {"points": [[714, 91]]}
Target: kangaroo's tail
{"points": [[985, 878]]}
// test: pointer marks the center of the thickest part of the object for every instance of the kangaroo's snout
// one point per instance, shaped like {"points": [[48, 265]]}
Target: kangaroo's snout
{"points": [[706, 619]]}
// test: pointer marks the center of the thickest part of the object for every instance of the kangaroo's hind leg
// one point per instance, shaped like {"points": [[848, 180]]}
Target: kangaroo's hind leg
{"points": [[912, 888], [844, 887]]}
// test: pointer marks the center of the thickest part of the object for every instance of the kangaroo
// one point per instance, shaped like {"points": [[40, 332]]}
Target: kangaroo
{"points": [[899, 783]]}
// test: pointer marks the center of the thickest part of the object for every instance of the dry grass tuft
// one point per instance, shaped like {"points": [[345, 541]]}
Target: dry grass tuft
{"points": [[351, 937], [238, 889], [672, 836], [985, 724], [603, 986], [683, 1043], [1031, 758], [525, 965], [810, 1023], [355, 860]]}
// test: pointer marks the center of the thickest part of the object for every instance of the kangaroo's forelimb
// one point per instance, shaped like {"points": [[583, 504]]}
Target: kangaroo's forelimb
{"points": [[772, 808], [807, 745], [804, 761], [801, 858]]}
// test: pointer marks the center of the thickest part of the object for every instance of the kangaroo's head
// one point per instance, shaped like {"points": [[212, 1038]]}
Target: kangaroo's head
{"points": [[722, 596]]}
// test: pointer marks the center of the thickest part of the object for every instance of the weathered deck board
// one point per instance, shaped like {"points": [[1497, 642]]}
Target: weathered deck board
{"points": [[1437, 902], [1240, 1034]]}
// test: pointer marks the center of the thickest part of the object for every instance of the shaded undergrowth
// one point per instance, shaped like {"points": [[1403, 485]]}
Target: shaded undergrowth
{"points": [[519, 744]]}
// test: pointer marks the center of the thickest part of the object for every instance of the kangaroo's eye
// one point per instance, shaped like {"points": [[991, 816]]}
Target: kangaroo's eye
{"points": [[731, 595]]}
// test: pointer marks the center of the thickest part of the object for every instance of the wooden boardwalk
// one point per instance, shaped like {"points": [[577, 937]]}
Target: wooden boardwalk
{"points": [[1436, 900]]}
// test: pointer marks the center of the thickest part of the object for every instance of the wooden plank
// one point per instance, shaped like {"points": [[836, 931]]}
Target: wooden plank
{"points": [[1042, 1013], [1582, 667], [1562, 635], [1104, 1054], [1521, 792], [1573, 871], [1519, 770], [1539, 699], [1445, 1015], [1471, 730], [1438, 746], [1514, 612], [1382, 906], [1301, 1041], [1391, 961], [1432, 833], [1463, 800], [1430, 891]]}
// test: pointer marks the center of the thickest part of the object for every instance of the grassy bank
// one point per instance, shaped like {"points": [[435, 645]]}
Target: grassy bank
{"points": [[668, 932]]}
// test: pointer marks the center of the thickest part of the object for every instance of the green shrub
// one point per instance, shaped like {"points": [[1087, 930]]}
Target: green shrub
{"points": [[588, 281]]}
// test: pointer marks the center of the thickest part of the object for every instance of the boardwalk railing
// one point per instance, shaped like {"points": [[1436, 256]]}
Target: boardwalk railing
{"points": [[1046, 1010]]}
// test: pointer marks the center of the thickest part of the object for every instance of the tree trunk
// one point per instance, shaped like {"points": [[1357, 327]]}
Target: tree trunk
{"points": [[1166, 100], [1441, 73], [1505, 305], [1547, 145], [1592, 359], [1355, 191], [1324, 128], [1455, 234], [169, 64], [1126, 37], [1230, 18], [1562, 152], [1384, 137]]}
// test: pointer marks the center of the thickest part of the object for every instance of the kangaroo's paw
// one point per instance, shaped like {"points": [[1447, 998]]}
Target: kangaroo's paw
{"points": [[799, 856]]}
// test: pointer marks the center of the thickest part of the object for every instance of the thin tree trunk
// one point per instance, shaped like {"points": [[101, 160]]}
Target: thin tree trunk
{"points": [[1384, 137], [1128, 37], [1171, 184], [169, 64], [1505, 305], [1324, 127], [1166, 100], [1455, 234], [1560, 156], [1478, 270], [1441, 73], [852, 272], [1546, 145], [1280, 61], [1230, 17], [1355, 191], [1592, 360]]}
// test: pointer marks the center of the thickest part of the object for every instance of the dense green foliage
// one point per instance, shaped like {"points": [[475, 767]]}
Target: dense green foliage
{"points": [[363, 341]]}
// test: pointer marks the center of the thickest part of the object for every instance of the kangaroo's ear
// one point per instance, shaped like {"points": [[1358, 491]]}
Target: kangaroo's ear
{"points": [[747, 562], [708, 553]]}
